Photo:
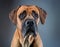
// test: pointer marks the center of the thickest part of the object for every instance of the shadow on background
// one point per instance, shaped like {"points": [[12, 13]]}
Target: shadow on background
{"points": [[49, 32]]}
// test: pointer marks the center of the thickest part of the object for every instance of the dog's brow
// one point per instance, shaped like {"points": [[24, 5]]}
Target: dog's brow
{"points": [[22, 15], [35, 14]]}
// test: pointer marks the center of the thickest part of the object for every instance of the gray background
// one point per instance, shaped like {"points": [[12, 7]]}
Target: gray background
{"points": [[49, 32]]}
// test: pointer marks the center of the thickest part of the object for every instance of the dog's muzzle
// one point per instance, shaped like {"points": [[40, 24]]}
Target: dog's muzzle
{"points": [[29, 27]]}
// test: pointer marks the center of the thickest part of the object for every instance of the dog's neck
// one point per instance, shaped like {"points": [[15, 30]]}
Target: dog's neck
{"points": [[25, 41], [21, 38]]}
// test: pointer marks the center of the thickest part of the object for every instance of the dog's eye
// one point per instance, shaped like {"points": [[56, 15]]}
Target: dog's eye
{"points": [[34, 14], [22, 15]]}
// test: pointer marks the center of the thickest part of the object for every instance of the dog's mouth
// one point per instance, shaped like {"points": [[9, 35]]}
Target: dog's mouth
{"points": [[30, 31], [29, 28]]}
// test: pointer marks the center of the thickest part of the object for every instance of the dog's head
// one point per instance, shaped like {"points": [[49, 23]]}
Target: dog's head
{"points": [[27, 17]]}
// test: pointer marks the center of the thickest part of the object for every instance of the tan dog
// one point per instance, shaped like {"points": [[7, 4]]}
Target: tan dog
{"points": [[26, 18]]}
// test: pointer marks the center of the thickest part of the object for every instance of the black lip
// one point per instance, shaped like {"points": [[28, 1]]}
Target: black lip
{"points": [[29, 29]]}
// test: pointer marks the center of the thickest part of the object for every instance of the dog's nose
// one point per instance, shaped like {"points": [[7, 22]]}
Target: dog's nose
{"points": [[30, 23]]}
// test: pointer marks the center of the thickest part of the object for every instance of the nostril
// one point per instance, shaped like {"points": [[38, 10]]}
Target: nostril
{"points": [[28, 22]]}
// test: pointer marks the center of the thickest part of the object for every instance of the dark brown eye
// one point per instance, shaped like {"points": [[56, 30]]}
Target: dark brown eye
{"points": [[34, 14], [22, 15]]}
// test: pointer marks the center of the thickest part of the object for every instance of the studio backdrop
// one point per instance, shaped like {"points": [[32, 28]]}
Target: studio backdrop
{"points": [[49, 32]]}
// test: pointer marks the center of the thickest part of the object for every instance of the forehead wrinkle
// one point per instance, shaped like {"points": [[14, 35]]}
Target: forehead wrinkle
{"points": [[35, 9], [21, 9], [28, 9]]}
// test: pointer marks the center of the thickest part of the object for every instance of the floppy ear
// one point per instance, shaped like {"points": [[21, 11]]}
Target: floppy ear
{"points": [[13, 15], [42, 14]]}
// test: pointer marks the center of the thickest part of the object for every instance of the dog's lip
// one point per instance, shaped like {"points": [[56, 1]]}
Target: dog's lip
{"points": [[30, 31]]}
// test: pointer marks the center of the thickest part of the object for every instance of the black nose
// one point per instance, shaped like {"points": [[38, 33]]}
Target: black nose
{"points": [[30, 23]]}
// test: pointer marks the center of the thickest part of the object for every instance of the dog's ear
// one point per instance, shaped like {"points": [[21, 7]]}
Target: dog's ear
{"points": [[13, 15], [42, 14]]}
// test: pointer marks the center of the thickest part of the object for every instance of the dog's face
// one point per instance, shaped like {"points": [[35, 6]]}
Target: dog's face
{"points": [[27, 18]]}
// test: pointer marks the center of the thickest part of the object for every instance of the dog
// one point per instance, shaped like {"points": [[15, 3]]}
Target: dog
{"points": [[26, 19]]}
